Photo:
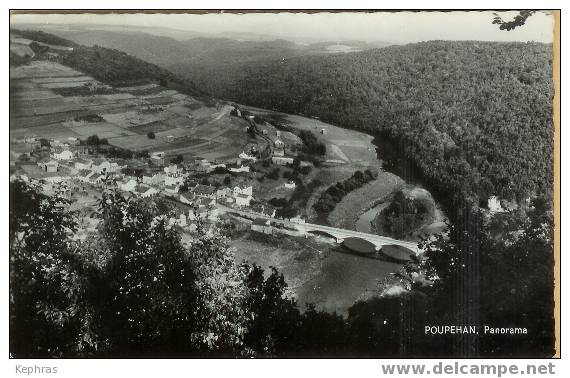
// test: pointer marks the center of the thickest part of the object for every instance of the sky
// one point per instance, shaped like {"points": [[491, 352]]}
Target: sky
{"points": [[399, 27]]}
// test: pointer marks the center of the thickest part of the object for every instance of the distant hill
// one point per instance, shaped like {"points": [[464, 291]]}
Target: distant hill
{"points": [[108, 65], [200, 58]]}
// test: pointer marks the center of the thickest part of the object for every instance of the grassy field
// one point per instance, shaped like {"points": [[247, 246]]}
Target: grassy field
{"points": [[356, 202], [182, 125]]}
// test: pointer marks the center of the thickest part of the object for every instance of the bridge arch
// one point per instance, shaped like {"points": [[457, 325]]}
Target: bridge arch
{"points": [[360, 245]]}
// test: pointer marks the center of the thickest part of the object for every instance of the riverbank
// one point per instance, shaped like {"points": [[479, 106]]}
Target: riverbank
{"points": [[347, 212], [316, 270]]}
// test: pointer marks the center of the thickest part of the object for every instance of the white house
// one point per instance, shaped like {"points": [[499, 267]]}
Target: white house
{"points": [[81, 164], [73, 141], [290, 185], [173, 169], [171, 189], [104, 166], [156, 179], [213, 214], [243, 200], [223, 192], [127, 185], [245, 156], [281, 160], [49, 166], [63, 155], [495, 205], [242, 169], [173, 180], [145, 191], [246, 190], [279, 143], [297, 219]]}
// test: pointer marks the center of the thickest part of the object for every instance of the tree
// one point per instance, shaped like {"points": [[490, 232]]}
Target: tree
{"points": [[151, 135], [518, 20], [44, 142], [513, 276], [274, 175], [50, 313], [221, 314], [150, 288], [94, 140], [220, 170], [272, 327], [178, 159]]}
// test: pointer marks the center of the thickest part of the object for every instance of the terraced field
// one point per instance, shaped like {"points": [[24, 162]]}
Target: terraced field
{"points": [[181, 124]]}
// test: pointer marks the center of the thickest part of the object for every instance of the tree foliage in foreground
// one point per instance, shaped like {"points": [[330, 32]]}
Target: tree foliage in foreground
{"points": [[134, 289]]}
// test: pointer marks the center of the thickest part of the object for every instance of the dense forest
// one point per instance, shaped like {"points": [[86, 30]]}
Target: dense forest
{"points": [[474, 117], [403, 215]]}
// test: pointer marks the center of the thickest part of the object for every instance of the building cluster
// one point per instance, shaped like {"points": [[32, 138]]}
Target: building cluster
{"points": [[71, 168]]}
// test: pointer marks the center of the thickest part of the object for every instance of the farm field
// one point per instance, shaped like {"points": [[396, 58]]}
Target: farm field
{"points": [[342, 144], [347, 151], [181, 124], [345, 214]]}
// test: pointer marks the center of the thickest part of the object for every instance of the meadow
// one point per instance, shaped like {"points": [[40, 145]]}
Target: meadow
{"points": [[46, 98]]}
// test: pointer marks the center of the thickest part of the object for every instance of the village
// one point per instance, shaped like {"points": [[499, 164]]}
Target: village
{"points": [[80, 172]]}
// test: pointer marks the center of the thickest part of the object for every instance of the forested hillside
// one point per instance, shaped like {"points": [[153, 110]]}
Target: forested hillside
{"points": [[474, 117], [110, 66], [208, 60]]}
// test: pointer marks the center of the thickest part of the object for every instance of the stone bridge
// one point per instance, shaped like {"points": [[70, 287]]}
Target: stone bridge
{"points": [[340, 234]]}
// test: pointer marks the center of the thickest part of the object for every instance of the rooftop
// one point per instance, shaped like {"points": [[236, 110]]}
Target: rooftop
{"points": [[84, 173], [204, 189]]}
